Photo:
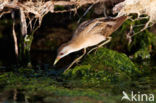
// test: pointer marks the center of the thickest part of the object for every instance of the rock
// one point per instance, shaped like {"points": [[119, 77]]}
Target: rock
{"points": [[101, 67]]}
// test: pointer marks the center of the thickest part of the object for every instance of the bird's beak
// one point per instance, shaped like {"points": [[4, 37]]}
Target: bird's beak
{"points": [[56, 60]]}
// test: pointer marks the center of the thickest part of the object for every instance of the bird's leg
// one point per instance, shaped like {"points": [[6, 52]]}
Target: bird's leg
{"points": [[100, 45], [76, 60], [107, 41]]}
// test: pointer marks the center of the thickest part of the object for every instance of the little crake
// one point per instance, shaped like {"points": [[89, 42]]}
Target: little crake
{"points": [[90, 33]]}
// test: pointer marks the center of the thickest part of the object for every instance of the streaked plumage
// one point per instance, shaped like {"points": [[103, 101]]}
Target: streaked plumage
{"points": [[90, 33]]}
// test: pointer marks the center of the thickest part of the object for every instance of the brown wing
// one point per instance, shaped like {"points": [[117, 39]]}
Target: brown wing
{"points": [[119, 22], [82, 26], [103, 25], [88, 26], [112, 25]]}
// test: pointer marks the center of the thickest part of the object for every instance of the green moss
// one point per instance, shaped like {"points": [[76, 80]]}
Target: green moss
{"points": [[143, 44], [89, 82], [117, 61], [48, 90], [106, 66], [142, 54], [138, 46]]}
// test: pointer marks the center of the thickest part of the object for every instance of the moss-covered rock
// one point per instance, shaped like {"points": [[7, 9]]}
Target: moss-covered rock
{"points": [[104, 66], [93, 81], [106, 57]]}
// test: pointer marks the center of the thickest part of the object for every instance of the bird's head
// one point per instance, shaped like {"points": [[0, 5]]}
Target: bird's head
{"points": [[63, 51]]}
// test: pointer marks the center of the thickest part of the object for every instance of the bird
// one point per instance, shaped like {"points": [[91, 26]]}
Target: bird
{"points": [[90, 33]]}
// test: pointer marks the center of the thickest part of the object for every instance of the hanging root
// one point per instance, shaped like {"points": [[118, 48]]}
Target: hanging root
{"points": [[145, 27], [76, 60], [14, 35], [100, 45]]}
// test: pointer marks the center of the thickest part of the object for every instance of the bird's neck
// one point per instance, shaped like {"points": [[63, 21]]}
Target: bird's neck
{"points": [[74, 46]]}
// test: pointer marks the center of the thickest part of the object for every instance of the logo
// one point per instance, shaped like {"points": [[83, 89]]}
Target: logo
{"points": [[137, 97]]}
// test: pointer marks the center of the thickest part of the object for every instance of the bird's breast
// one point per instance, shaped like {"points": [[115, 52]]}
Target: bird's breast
{"points": [[92, 40]]}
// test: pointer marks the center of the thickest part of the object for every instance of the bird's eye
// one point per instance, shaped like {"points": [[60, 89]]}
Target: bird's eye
{"points": [[61, 53]]}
